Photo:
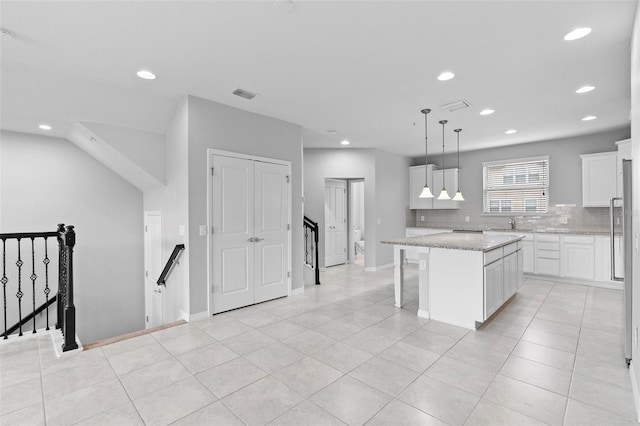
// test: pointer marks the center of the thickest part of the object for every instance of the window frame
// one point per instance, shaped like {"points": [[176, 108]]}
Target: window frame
{"points": [[528, 185]]}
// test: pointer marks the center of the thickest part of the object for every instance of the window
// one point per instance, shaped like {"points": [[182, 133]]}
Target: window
{"points": [[516, 186]]}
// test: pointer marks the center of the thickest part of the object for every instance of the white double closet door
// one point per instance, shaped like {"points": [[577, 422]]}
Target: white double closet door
{"points": [[250, 240]]}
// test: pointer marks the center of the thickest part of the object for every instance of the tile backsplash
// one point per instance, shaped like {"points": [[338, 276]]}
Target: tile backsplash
{"points": [[560, 216]]}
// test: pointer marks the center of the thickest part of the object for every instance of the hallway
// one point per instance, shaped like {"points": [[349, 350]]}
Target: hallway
{"points": [[342, 354]]}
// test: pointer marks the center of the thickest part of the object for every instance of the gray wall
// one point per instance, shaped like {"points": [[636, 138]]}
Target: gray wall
{"points": [[214, 125], [385, 194], [565, 167], [46, 180]]}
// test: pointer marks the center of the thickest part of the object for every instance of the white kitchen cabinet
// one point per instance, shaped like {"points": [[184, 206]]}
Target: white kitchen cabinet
{"points": [[547, 260], [451, 185], [416, 183], [599, 178], [511, 275], [528, 254], [578, 253], [520, 266], [493, 287]]}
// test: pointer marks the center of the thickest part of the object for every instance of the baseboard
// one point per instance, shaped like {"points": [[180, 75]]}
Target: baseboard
{"points": [[199, 316], [378, 268], [295, 291], [183, 316], [636, 393], [423, 314], [600, 284]]}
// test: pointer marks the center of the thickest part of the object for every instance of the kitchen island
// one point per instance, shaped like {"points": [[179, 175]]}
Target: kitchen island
{"points": [[463, 278]]}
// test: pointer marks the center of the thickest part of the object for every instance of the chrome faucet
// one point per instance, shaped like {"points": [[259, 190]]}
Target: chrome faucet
{"points": [[512, 222]]}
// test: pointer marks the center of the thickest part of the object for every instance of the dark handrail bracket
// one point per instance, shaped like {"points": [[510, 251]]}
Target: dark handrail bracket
{"points": [[173, 259]]}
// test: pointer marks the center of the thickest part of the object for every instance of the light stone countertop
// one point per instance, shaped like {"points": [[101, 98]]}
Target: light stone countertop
{"points": [[520, 230], [458, 241]]}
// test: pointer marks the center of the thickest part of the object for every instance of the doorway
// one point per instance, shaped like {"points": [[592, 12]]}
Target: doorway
{"points": [[335, 222], [250, 216], [154, 293], [356, 221]]}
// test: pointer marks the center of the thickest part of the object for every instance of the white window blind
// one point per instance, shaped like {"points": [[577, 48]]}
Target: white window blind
{"points": [[516, 186]]}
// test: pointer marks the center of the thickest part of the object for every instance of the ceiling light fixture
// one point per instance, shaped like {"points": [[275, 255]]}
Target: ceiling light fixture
{"points": [[577, 33], [511, 131], [585, 89], [447, 75], [487, 111], [146, 75], [589, 118], [458, 196], [444, 195], [345, 142], [426, 192], [44, 126]]}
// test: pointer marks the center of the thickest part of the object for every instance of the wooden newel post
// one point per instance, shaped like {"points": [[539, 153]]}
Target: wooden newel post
{"points": [[69, 329], [61, 278]]}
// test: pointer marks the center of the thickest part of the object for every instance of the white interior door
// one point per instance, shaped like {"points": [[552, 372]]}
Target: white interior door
{"points": [[335, 217], [271, 244], [250, 241], [154, 293], [233, 232]]}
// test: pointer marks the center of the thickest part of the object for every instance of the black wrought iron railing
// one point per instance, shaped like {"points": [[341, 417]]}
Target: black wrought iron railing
{"points": [[13, 278], [311, 247], [173, 259]]}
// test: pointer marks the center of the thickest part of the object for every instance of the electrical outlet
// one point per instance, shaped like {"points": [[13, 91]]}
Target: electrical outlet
{"points": [[422, 218], [564, 219], [466, 218], [379, 221], [423, 265], [181, 230], [203, 230]]}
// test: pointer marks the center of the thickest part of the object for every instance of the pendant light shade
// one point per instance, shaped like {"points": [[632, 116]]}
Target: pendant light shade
{"points": [[458, 196], [426, 192], [444, 195]]}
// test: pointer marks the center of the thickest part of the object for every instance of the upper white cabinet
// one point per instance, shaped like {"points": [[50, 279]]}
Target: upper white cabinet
{"points": [[434, 180], [416, 183], [599, 178], [451, 185]]}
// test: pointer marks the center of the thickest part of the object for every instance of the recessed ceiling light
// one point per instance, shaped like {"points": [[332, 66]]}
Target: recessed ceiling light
{"points": [[585, 89], [589, 118], [511, 131], [446, 76], [44, 126], [577, 33], [146, 74], [345, 142], [487, 111]]}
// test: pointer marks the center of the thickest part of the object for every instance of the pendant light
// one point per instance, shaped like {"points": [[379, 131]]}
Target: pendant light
{"points": [[444, 195], [458, 196], [426, 192]]}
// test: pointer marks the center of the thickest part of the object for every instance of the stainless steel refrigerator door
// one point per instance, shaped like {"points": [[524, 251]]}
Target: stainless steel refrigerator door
{"points": [[627, 234]]}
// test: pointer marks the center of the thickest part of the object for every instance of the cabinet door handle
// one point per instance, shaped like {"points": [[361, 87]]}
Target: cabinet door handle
{"points": [[257, 240]]}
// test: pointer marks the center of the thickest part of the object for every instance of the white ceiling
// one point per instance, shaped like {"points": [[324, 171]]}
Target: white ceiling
{"points": [[365, 69]]}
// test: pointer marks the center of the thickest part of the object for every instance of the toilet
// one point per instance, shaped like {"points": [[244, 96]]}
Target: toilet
{"points": [[359, 242]]}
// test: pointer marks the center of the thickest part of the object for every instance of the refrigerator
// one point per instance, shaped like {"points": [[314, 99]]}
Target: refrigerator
{"points": [[622, 249]]}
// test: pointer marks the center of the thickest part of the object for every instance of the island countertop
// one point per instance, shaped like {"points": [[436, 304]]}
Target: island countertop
{"points": [[458, 241]]}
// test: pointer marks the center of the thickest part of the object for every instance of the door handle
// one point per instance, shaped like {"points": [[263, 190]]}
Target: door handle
{"points": [[252, 240], [157, 291]]}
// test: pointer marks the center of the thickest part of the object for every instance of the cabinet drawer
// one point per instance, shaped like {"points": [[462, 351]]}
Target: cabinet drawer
{"points": [[547, 254], [511, 248], [548, 266], [578, 239], [548, 238], [548, 246], [493, 255]]}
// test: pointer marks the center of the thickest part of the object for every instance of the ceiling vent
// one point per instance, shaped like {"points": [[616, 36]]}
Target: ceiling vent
{"points": [[244, 94], [457, 105]]}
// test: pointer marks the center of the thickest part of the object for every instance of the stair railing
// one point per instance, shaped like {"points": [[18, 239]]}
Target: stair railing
{"points": [[173, 259], [311, 256], [66, 311]]}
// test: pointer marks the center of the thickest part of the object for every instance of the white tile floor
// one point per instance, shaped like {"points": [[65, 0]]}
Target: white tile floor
{"points": [[342, 354]]}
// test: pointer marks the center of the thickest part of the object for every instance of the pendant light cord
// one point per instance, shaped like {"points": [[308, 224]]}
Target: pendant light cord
{"points": [[426, 146], [458, 134], [443, 122]]}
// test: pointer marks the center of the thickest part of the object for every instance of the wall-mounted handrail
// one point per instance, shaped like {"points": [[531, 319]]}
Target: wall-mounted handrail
{"points": [[173, 259], [311, 257]]}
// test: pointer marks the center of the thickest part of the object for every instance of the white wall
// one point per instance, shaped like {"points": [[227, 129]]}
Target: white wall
{"points": [[173, 201], [47, 180], [218, 126], [386, 179]]}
